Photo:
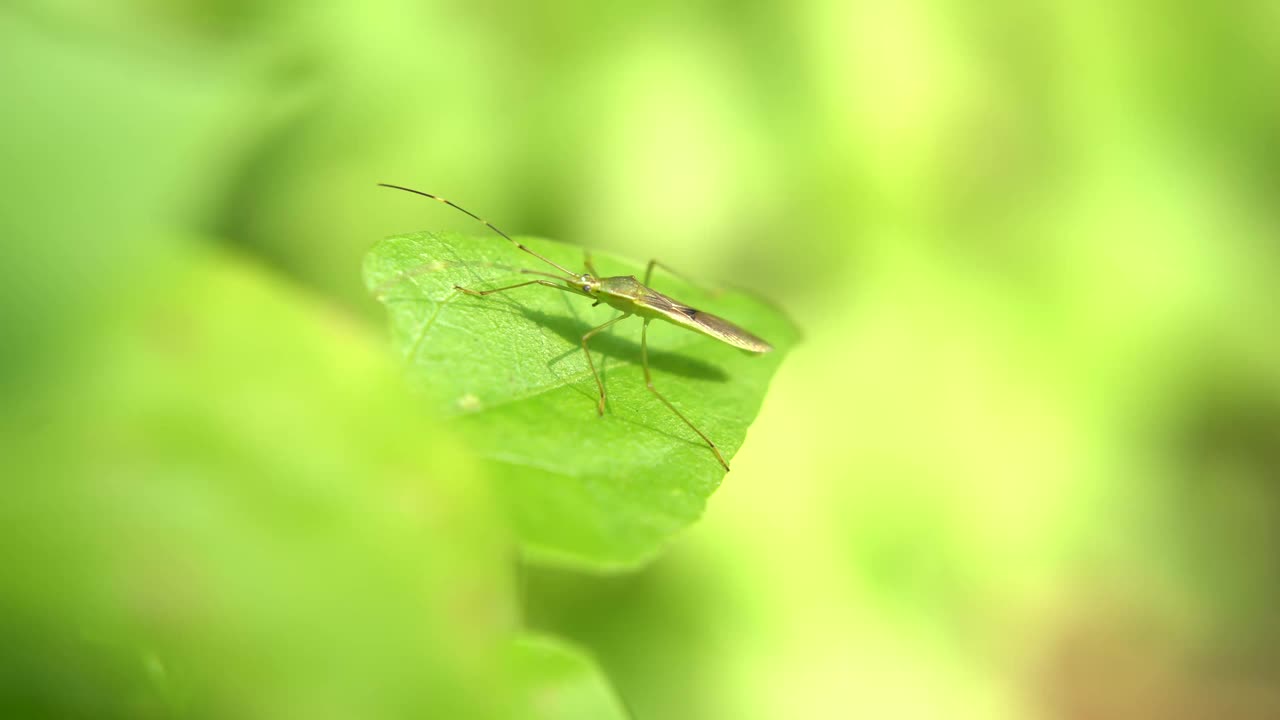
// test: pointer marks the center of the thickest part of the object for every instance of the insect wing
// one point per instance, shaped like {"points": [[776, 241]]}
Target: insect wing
{"points": [[705, 323]]}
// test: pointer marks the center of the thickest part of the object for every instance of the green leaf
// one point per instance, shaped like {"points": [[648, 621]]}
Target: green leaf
{"points": [[555, 681], [236, 513], [581, 489]]}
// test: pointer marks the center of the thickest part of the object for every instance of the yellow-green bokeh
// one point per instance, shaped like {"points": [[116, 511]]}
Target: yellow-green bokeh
{"points": [[1026, 463]]}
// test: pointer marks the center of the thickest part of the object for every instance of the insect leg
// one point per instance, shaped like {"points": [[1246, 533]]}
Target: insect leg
{"points": [[648, 275], [648, 381], [482, 293], [591, 267], [592, 365]]}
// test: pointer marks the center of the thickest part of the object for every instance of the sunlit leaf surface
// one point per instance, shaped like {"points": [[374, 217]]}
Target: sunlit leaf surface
{"points": [[581, 488]]}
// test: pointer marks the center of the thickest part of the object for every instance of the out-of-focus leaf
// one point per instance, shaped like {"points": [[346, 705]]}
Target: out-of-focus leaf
{"points": [[75, 242], [237, 515], [581, 488], [556, 681]]}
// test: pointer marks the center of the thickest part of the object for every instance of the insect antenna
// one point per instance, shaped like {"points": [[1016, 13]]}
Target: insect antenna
{"points": [[487, 224]]}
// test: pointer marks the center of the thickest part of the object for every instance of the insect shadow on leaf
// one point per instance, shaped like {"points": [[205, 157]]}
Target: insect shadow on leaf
{"points": [[609, 345]]}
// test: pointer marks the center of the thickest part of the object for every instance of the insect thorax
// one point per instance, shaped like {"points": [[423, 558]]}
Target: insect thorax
{"points": [[622, 285]]}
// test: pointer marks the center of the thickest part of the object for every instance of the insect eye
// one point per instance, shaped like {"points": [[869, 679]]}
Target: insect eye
{"points": [[586, 288]]}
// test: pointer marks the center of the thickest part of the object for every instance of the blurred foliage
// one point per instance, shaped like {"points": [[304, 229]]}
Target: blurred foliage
{"points": [[597, 491], [558, 682], [1023, 464], [171, 544]]}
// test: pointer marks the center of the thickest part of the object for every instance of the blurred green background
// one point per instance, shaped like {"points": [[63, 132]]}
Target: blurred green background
{"points": [[1026, 463]]}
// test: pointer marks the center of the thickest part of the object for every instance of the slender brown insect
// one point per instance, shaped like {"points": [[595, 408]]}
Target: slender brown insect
{"points": [[630, 296]]}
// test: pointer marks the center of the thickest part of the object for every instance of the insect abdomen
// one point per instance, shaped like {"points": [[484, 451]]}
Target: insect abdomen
{"points": [[721, 329]]}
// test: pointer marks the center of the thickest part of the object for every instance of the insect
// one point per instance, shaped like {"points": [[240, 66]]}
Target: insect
{"points": [[631, 297]]}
